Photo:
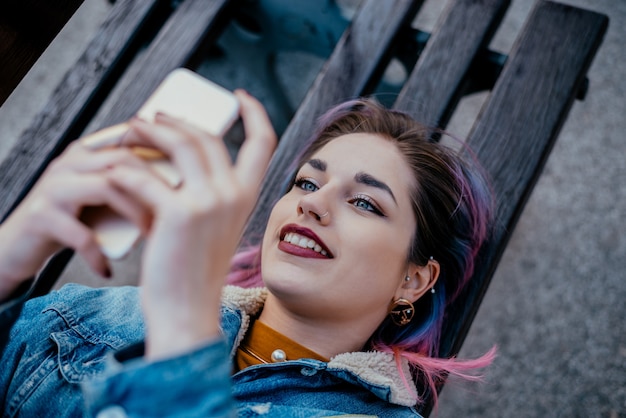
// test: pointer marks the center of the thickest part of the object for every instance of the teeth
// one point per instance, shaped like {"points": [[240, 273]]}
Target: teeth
{"points": [[303, 242]]}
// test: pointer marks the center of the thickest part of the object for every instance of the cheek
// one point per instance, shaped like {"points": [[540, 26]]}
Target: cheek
{"points": [[380, 252], [279, 212]]}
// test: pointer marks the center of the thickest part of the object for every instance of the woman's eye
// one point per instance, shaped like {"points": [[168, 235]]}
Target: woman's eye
{"points": [[306, 185], [365, 203]]}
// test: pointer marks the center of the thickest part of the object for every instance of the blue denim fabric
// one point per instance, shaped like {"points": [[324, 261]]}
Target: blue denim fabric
{"points": [[74, 353]]}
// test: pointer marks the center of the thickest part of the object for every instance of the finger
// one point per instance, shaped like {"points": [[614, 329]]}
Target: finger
{"points": [[182, 150], [107, 137], [256, 151], [213, 148], [147, 188], [69, 232], [129, 207], [80, 159], [96, 190]]}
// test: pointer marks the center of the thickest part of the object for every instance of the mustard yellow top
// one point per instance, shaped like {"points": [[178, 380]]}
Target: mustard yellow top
{"points": [[264, 345]]}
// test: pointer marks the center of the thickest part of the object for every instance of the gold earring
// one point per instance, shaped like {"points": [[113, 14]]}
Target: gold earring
{"points": [[401, 312]]}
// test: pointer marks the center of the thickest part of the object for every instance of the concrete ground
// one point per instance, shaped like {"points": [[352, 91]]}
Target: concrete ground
{"points": [[553, 308]]}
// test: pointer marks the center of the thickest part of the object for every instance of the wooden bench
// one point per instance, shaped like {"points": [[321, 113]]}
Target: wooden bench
{"points": [[531, 93], [26, 29]]}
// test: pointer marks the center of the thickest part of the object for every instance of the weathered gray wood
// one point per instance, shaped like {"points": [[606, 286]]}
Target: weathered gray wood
{"points": [[436, 83], [59, 119], [512, 137], [356, 58], [26, 29], [184, 35], [518, 126]]}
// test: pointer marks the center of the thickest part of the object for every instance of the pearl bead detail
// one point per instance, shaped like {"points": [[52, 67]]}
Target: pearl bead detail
{"points": [[278, 356]]}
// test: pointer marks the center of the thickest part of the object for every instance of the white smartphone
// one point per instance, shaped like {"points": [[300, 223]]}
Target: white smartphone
{"points": [[185, 95]]}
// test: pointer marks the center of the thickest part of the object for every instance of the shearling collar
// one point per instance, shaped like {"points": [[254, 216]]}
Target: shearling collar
{"points": [[373, 367]]}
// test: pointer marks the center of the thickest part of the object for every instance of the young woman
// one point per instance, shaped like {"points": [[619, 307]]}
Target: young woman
{"points": [[339, 312]]}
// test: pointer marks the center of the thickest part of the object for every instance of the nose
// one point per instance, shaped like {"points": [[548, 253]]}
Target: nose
{"points": [[315, 206]]}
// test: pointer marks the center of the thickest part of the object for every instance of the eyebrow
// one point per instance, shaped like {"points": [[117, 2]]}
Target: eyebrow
{"points": [[370, 180], [317, 164], [360, 177]]}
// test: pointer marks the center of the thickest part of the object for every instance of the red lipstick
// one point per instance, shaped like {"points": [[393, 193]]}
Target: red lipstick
{"points": [[298, 250]]}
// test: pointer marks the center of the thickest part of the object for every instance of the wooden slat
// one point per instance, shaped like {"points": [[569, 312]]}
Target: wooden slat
{"points": [[357, 56], [26, 29], [436, 83], [72, 101], [185, 33], [518, 125]]}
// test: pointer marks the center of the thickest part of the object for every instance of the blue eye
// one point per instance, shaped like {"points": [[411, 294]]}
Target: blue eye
{"points": [[365, 203], [305, 184]]}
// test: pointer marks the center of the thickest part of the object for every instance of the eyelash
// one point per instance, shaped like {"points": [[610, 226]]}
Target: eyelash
{"points": [[301, 182], [372, 207]]}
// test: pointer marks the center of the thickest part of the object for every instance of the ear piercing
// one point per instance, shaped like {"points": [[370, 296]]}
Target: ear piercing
{"points": [[408, 278]]}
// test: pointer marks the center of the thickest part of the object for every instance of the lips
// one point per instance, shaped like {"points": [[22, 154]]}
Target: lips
{"points": [[302, 242]]}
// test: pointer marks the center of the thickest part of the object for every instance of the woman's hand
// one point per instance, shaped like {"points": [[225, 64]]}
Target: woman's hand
{"points": [[196, 227], [47, 219]]}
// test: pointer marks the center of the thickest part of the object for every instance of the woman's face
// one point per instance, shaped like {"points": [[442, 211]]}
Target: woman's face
{"points": [[336, 244]]}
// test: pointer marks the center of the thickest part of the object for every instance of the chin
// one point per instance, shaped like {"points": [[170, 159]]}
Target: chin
{"points": [[285, 280]]}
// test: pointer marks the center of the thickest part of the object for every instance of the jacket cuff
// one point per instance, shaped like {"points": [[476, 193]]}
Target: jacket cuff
{"points": [[195, 384]]}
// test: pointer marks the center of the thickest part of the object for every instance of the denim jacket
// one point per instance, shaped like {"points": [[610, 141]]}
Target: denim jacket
{"points": [[78, 352]]}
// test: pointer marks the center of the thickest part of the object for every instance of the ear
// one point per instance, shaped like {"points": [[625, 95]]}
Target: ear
{"points": [[421, 280]]}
